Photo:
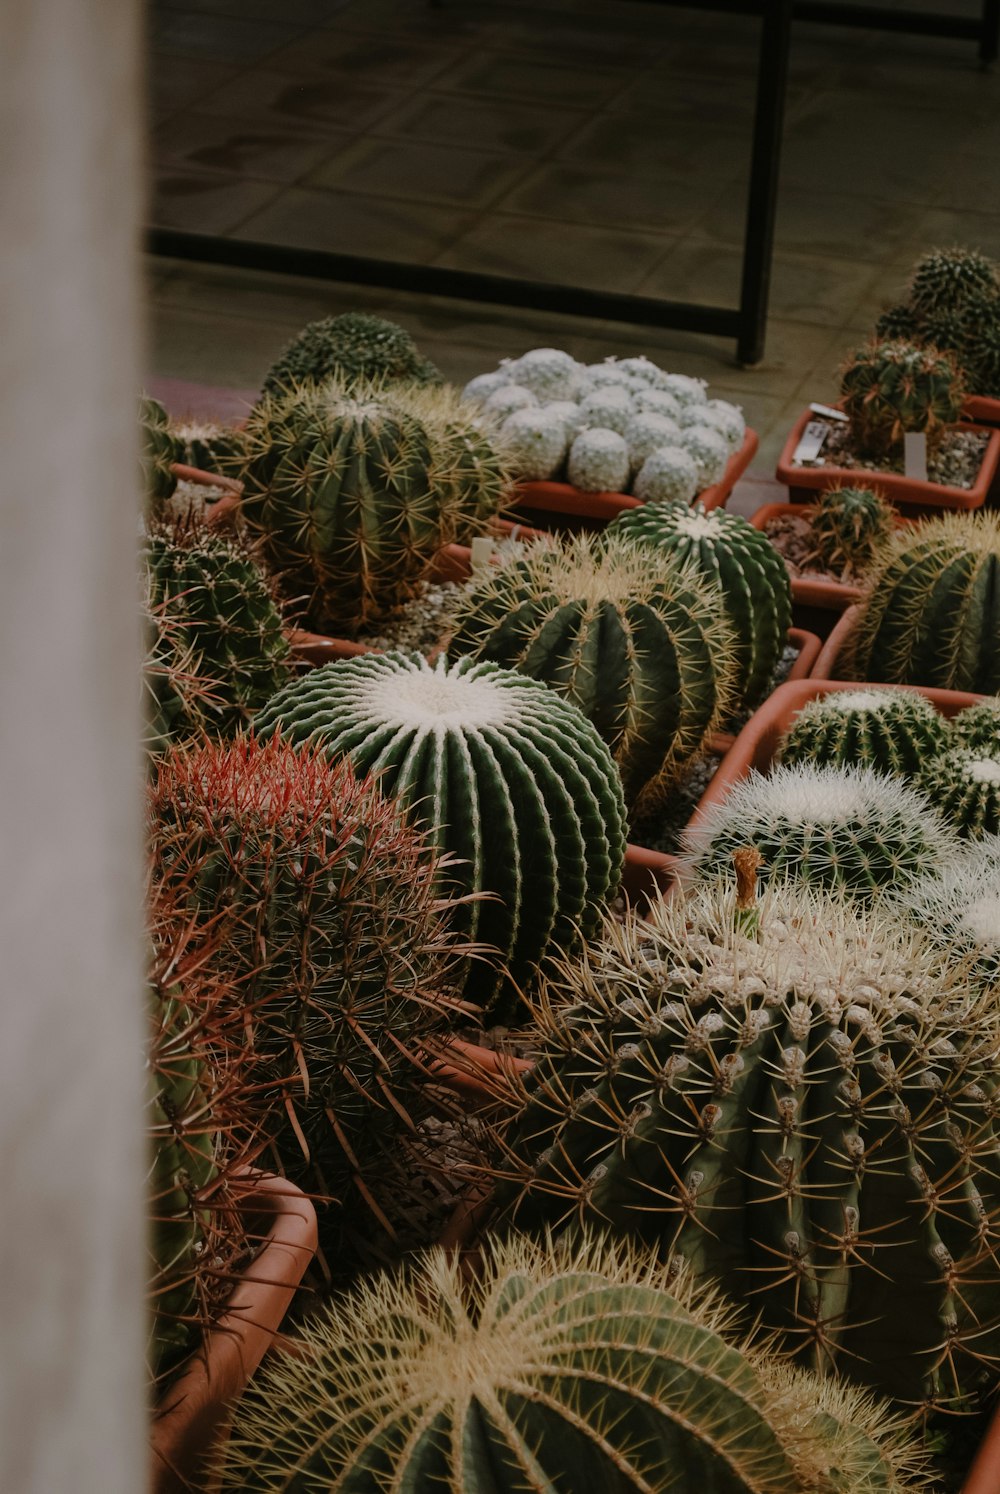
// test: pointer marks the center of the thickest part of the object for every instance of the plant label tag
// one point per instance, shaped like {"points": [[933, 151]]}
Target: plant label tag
{"points": [[915, 455], [482, 551], [829, 411], [810, 442]]}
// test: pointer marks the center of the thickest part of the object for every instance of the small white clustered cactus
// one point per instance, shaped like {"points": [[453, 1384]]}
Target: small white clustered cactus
{"points": [[623, 425]]}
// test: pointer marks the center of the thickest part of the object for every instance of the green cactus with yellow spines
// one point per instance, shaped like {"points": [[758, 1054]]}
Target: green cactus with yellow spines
{"points": [[891, 730], [848, 525], [964, 787], [355, 347], [978, 726]]}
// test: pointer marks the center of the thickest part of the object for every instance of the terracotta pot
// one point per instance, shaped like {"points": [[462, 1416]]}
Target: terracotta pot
{"points": [[550, 503], [826, 666], [474, 1072], [807, 591], [757, 744], [986, 409], [984, 1475], [801, 481], [222, 513], [192, 1415]]}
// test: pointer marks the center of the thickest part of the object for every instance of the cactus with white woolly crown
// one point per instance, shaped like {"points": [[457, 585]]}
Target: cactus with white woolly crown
{"points": [[353, 347], [566, 1369], [828, 827], [745, 566], [638, 641], [890, 388], [500, 773], [892, 731], [958, 908], [804, 1109], [978, 726], [847, 528], [931, 611], [964, 787]]}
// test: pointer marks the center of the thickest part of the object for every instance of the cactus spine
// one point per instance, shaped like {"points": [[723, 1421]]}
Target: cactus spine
{"points": [[353, 348], [958, 907], [978, 727], [503, 776], [805, 1112], [848, 526], [892, 731], [889, 388], [741, 562], [931, 613], [638, 642], [964, 787], [578, 1369]]}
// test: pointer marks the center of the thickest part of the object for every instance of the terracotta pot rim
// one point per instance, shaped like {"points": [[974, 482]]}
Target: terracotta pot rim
{"points": [[183, 473]]}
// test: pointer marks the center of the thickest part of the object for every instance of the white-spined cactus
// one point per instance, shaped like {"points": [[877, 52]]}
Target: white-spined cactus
{"points": [[964, 786], [686, 390], [891, 730], [483, 385], [508, 398], [598, 462], [534, 442], [610, 372], [646, 432], [958, 908], [658, 401], [643, 372], [607, 410], [549, 373], [568, 412], [710, 451], [727, 419], [669, 474]]}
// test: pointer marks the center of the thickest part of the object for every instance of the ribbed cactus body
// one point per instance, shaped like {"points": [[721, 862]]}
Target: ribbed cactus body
{"points": [[208, 446], [558, 1371], [931, 614], [354, 347], [958, 907], [964, 787], [218, 649], [745, 566], [892, 731], [947, 279], [637, 641], [499, 771], [159, 451], [805, 1112], [978, 727], [889, 388], [339, 487], [847, 527], [828, 827]]}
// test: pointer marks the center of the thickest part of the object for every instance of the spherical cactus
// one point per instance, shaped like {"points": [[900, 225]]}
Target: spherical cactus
{"points": [[848, 526], [159, 452], [889, 388], [742, 562], [601, 375], [685, 390], [340, 486], [636, 640], [727, 419], [213, 619], [982, 361], [508, 398], [964, 787], [569, 415], [898, 324], [607, 409], [710, 451], [958, 908], [804, 1109], [643, 372], [669, 474], [470, 473], [300, 885], [354, 347], [534, 441], [646, 432], [978, 727], [826, 826], [501, 773], [208, 446], [945, 279], [479, 389], [549, 373], [598, 462], [931, 610], [657, 401], [586, 1368], [892, 731]]}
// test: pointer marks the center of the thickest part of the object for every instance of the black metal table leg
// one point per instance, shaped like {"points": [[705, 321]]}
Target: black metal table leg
{"points": [[989, 39], [765, 165]]}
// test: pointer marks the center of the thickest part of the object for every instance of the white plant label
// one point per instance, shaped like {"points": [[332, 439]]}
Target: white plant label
{"points": [[482, 551], [810, 442], [915, 455], [829, 412]]}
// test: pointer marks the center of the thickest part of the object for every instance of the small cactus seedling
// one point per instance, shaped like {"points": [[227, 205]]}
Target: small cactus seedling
{"points": [[829, 827], [565, 1370], [503, 775], [638, 641], [848, 527], [978, 727], [355, 347], [804, 1110], [964, 786], [946, 280], [159, 452], [741, 562], [892, 731], [931, 612], [889, 388]]}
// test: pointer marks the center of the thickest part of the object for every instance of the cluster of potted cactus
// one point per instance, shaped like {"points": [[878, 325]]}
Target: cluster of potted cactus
{"points": [[725, 1212]]}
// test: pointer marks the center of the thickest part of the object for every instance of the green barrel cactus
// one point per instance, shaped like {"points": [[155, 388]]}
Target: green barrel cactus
{"points": [[742, 562], [931, 612], [639, 642], [945, 280], [341, 488], [159, 452], [355, 347], [848, 526], [507, 779], [217, 648], [889, 388], [566, 1370], [893, 731], [804, 1110], [299, 885], [208, 446], [978, 727], [471, 471], [899, 323], [964, 787], [829, 827], [958, 907]]}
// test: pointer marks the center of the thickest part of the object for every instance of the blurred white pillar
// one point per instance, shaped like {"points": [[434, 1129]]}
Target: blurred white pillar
{"points": [[71, 1233]]}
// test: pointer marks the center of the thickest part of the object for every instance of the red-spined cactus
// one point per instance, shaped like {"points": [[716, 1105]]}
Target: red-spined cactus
{"points": [[320, 906], [891, 388]]}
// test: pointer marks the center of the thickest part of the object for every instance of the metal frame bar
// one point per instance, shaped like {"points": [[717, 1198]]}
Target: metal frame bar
{"points": [[984, 30]]}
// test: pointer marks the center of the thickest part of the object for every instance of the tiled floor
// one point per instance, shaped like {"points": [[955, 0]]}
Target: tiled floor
{"points": [[598, 143]]}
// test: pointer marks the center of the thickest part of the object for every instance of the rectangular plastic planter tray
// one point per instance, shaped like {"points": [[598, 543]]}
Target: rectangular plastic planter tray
{"points": [[801, 481], [832, 596]]}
